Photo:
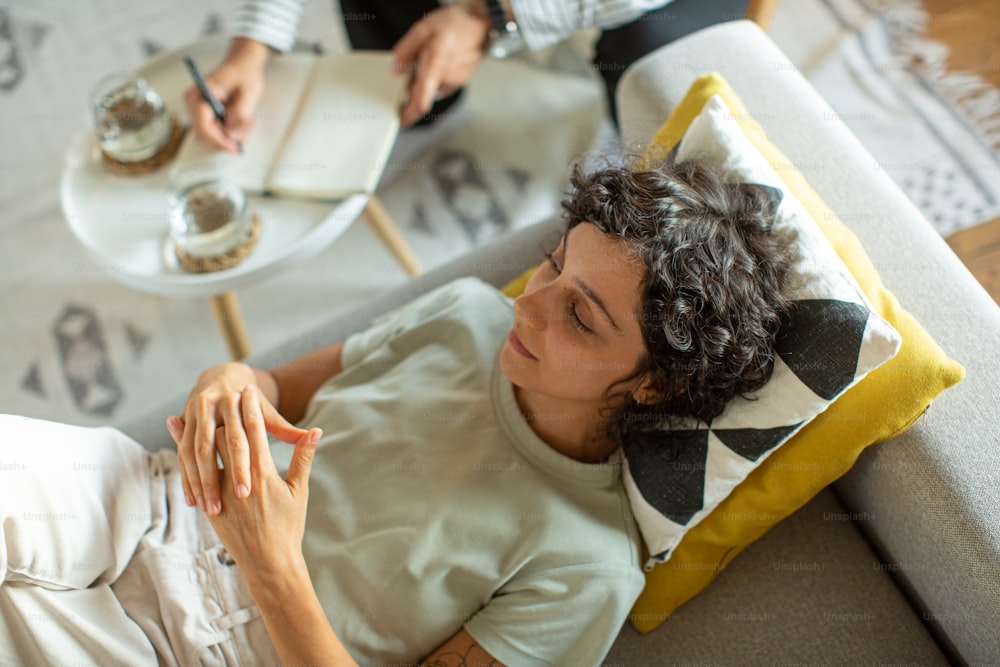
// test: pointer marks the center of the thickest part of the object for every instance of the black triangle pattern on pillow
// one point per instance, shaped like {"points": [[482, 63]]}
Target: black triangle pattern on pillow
{"points": [[669, 470], [826, 364], [751, 443]]}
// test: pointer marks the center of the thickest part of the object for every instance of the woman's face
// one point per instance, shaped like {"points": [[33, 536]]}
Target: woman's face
{"points": [[576, 328]]}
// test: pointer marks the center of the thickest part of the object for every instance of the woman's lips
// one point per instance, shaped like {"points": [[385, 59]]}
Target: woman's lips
{"points": [[518, 346]]}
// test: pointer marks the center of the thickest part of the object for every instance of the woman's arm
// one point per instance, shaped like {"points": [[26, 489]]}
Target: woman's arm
{"points": [[264, 532], [215, 401], [302, 636], [298, 380], [462, 650]]}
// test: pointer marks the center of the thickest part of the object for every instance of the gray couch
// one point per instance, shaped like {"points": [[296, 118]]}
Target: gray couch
{"points": [[898, 563]]}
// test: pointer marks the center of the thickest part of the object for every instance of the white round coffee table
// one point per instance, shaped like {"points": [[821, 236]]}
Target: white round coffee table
{"points": [[122, 221]]}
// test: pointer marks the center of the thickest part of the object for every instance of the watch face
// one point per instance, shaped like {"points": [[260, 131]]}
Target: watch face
{"points": [[506, 44]]}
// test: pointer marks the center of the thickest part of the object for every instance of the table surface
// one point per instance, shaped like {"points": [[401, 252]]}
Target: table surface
{"points": [[122, 221]]}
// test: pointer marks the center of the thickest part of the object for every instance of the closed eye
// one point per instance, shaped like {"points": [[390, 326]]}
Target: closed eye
{"points": [[571, 312], [552, 263], [577, 321]]}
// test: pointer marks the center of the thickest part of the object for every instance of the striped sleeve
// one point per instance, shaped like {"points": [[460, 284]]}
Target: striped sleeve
{"points": [[545, 22], [272, 22]]}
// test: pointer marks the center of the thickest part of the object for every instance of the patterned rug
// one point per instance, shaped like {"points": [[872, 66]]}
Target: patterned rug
{"points": [[935, 133]]}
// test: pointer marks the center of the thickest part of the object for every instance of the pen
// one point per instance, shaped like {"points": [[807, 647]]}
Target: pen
{"points": [[217, 108]]}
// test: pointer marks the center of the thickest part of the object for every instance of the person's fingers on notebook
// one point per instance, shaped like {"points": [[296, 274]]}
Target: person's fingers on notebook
{"points": [[406, 54], [204, 125], [238, 86], [423, 90], [241, 104]]}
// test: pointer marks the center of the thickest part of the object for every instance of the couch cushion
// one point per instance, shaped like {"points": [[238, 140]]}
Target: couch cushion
{"points": [[809, 592]]}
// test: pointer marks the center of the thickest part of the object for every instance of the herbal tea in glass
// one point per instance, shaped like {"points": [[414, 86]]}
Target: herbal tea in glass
{"points": [[130, 119], [208, 213]]}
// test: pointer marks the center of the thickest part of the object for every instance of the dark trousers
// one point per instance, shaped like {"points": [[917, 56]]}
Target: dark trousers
{"points": [[378, 24]]}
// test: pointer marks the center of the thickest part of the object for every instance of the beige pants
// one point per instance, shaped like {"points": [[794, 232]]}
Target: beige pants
{"points": [[104, 564]]}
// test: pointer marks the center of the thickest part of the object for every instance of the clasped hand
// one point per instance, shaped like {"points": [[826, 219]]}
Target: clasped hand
{"points": [[262, 529], [220, 399]]}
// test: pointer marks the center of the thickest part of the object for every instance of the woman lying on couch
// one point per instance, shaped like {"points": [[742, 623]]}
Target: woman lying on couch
{"points": [[460, 462]]}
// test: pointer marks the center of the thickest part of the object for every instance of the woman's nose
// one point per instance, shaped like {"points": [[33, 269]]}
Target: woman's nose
{"points": [[527, 309]]}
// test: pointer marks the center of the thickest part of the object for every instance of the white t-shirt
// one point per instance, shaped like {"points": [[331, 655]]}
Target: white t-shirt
{"points": [[433, 505]]}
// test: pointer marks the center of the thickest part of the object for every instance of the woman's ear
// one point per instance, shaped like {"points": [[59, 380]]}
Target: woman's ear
{"points": [[648, 392]]}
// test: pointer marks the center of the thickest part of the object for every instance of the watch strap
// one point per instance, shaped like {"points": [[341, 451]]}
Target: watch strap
{"points": [[497, 16]]}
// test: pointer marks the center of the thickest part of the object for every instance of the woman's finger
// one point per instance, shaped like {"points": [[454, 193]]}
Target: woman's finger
{"points": [[220, 446], [301, 463], [189, 460], [261, 462], [205, 456], [276, 424], [176, 428], [235, 444]]}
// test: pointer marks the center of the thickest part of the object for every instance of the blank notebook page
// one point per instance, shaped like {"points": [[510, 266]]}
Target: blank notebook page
{"points": [[345, 128]]}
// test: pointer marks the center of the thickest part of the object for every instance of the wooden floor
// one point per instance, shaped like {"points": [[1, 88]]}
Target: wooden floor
{"points": [[971, 29]]}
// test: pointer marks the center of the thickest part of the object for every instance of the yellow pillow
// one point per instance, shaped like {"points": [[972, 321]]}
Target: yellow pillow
{"points": [[517, 285], [886, 402]]}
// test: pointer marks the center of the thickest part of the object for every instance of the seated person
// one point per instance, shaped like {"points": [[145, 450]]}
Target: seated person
{"points": [[439, 46], [454, 493]]}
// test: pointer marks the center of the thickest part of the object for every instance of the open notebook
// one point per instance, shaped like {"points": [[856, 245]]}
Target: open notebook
{"points": [[323, 129]]}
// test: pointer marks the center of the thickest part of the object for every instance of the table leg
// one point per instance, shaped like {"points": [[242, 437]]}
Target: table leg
{"points": [[228, 316], [761, 12], [380, 221]]}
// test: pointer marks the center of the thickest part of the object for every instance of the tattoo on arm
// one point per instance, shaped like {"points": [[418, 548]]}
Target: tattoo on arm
{"points": [[461, 651], [455, 659]]}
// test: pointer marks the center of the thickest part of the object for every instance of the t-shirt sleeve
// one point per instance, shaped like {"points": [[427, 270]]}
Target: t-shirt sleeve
{"points": [[428, 306], [562, 616]]}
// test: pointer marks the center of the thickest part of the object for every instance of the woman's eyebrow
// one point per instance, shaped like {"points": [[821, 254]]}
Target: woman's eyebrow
{"points": [[588, 292]]}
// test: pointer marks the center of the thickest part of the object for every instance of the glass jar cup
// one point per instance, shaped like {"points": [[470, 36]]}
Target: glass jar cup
{"points": [[208, 211], [129, 117]]}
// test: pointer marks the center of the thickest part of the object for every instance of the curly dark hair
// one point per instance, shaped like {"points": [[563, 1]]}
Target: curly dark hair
{"points": [[714, 288]]}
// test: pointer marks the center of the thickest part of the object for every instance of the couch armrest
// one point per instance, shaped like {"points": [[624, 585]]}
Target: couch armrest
{"points": [[933, 494]]}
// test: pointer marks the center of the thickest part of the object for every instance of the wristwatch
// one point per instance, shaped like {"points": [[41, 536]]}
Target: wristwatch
{"points": [[505, 36]]}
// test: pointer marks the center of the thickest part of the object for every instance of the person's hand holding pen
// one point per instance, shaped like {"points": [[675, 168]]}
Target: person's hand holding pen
{"points": [[237, 84]]}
